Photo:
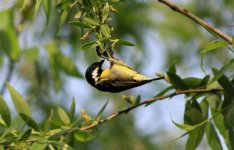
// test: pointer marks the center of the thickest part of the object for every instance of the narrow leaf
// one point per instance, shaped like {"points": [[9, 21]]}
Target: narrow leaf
{"points": [[89, 45], [47, 123], [80, 24], [72, 108], [19, 102], [192, 82], [105, 30], [25, 3], [67, 65], [123, 42], [38, 3], [47, 7], [221, 71], [26, 135], [193, 113], [91, 21], [63, 116], [214, 45], [172, 67], [204, 81], [5, 111], [195, 138], [138, 100], [183, 126], [229, 121], [9, 43], [224, 82], [212, 137], [86, 135], [105, 12], [62, 19], [101, 111], [29, 121], [164, 91], [40, 144], [176, 81]]}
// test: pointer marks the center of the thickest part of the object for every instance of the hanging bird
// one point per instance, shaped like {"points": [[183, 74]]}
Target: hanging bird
{"points": [[117, 78]]}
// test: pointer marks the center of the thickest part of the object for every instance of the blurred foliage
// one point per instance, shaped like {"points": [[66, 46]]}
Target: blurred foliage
{"points": [[45, 43]]}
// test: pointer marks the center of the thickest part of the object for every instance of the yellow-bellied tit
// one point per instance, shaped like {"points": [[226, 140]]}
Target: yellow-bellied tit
{"points": [[117, 78]]}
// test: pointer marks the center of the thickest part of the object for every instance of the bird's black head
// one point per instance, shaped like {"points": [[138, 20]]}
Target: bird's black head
{"points": [[93, 72]]}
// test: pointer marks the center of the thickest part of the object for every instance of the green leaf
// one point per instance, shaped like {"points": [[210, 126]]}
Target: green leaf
{"points": [[47, 7], [91, 21], [86, 135], [89, 45], [31, 54], [212, 137], [196, 115], [204, 81], [183, 126], [164, 91], [5, 111], [67, 65], [219, 123], [80, 24], [231, 137], [204, 105], [224, 82], [195, 138], [9, 43], [19, 102], [25, 3], [29, 121], [40, 144], [101, 111], [123, 42], [229, 121], [213, 100], [192, 82], [105, 30], [202, 63], [62, 19], [26, 135], [61, 145], [176, 81], [214, 45], [138, 100], [172, 67], [105, 12], [72, 108], [63, 116], [38, 3], [193, 113], [221, 71], [47, 123]]}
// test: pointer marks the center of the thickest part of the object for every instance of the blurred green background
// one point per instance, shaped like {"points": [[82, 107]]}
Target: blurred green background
{"points": [[161, 37]]}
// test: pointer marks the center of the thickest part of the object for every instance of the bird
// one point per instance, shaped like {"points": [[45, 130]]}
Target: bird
{"points": [[117, 78]]}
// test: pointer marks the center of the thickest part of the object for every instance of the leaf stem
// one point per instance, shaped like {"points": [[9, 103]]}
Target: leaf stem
{"points": [[198, 20], [148, 101]]}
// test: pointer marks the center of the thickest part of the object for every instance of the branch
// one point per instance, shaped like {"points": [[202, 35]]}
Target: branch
{"points": [[8, 76], [196, 19], [148, 101]]}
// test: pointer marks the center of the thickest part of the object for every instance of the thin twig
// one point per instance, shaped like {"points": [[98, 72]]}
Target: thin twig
{"points": [[197, 20], [8, 76], [148, 101]]}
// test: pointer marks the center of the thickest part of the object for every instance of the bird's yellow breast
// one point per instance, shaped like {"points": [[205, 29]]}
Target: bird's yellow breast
{"points": [[105, 74]]}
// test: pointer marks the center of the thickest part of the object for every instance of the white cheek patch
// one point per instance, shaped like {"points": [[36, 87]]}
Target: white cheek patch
{"points": [[95, 74]]}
